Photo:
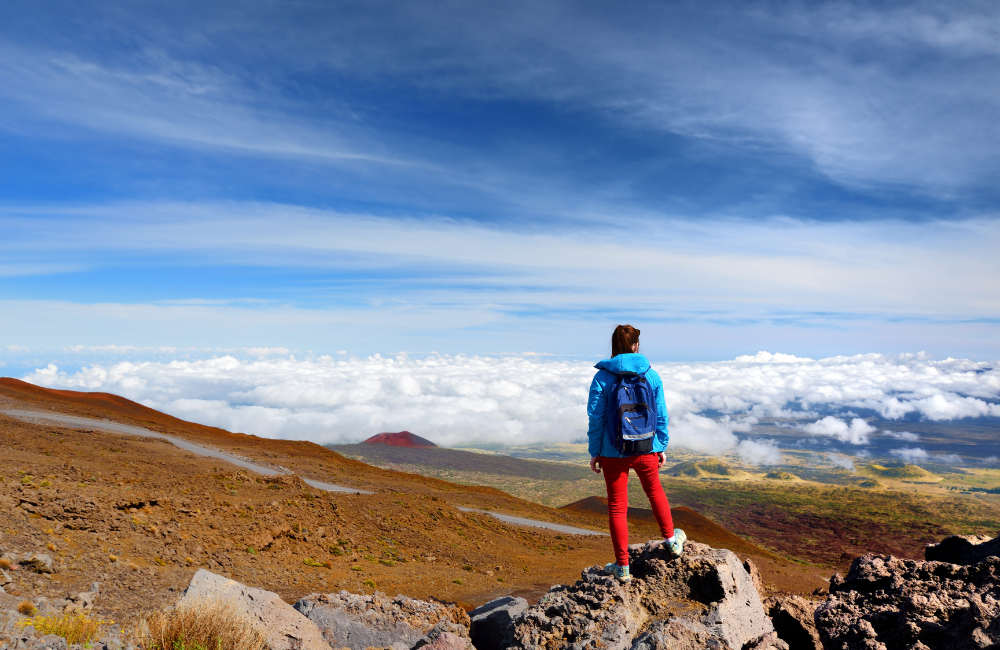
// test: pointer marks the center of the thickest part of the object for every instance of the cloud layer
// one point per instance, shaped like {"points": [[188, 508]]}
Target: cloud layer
{"points": [[458, 400]]}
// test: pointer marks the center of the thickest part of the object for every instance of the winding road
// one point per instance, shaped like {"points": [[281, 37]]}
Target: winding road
{"points": [[200, 450]]}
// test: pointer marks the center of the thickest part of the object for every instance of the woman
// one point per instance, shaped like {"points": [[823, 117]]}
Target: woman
{"points": [[632, 434]]}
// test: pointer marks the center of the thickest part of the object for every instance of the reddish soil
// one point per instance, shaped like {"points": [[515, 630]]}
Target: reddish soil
{"points": [[401, 439], [697, 527]]}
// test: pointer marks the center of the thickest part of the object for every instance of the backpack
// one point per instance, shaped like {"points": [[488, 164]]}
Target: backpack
{"points": [[631, 414]]}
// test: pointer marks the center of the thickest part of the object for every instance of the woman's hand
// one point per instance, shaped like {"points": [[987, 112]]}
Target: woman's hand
{"points": [[595, 464], [661, 458]]}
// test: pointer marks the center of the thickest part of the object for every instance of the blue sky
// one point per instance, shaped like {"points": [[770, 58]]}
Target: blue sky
{"points": [[810, 178]]}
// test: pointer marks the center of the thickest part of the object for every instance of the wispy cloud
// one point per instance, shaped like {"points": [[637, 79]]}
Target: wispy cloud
{"points": [[780, 265], [883, 95]]}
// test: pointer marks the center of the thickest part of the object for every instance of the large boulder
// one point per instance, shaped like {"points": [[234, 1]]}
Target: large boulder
{"points": [[963, 549], [794, 621], [886, 603], [37, 562], [358, 621], [492, 623], [705, 598], [286, 629]]}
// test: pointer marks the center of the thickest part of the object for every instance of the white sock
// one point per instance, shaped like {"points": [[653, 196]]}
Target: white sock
{"points": [[672, 538]]}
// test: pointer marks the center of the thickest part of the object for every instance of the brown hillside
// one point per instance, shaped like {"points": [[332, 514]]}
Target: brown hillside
{"points": [[162, 513]]}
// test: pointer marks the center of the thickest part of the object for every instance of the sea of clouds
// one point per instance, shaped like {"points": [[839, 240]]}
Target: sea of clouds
{"points": [[517, 400]]}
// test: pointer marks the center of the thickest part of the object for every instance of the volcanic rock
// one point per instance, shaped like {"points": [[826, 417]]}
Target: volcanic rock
{"points": [[794, 621], [286, 628], [886, 603], [755, 577], [358, 621], [963, 549], [491, 623], [705, 598]]}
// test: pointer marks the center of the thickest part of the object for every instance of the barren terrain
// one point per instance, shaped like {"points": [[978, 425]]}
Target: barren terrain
{"points": [[141, 516]]}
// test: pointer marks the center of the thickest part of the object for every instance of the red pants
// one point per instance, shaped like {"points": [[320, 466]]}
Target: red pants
{"points": [[616, 478]]}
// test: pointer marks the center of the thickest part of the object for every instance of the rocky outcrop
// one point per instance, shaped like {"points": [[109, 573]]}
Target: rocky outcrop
{"points": [[705, 598], [357, 621], [794, 621], [963, 549], [492, 624], [886, 603], [286, 628]]}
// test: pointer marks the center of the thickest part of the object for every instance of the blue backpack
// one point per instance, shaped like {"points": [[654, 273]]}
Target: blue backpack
{"points": [[631, 414]]}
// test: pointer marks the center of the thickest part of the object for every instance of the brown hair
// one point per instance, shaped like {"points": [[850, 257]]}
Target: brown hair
{"points": [[624, 337]]}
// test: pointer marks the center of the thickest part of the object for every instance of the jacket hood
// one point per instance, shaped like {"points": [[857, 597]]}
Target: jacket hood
{"points": [[631, 362]]}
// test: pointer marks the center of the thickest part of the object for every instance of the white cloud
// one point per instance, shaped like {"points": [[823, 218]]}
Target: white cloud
{"points": [[911, 454], [516, 399], [906, 436], [951, 459], [759, 452], [855, 433], [839, 460]]}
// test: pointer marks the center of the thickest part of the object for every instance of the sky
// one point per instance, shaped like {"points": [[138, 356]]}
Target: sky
{"points": [[186, 181]]}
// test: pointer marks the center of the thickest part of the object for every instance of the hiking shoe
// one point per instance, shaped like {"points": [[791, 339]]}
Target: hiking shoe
{"points": [[620, 572], [676, 547]]}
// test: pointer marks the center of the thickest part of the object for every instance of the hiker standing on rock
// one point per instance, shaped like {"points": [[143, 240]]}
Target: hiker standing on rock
{"points": [[628, 430]]}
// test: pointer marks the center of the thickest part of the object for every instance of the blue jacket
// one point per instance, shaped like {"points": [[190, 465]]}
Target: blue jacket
{"points": [[600, 442]]}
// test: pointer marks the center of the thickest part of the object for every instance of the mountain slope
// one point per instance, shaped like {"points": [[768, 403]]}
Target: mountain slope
{"points": [[400, 439], [161, 513]]}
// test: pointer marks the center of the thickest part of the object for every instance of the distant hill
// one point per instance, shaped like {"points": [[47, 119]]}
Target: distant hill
{"points": [[439, 458], [697, 527], [704, 469], [781, 475], [899, 471], [401, 439]]}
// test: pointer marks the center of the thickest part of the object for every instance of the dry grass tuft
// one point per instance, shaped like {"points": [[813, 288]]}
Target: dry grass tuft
{"points": [[27, 608], [200, 625], [75, 628]]}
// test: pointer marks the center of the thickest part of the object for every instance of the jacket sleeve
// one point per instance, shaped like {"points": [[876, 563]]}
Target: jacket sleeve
{"points": [[596, 405], [662, 419]]}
